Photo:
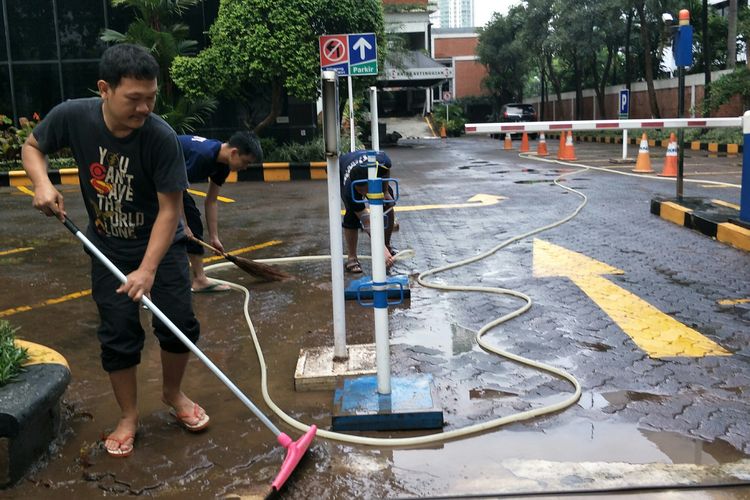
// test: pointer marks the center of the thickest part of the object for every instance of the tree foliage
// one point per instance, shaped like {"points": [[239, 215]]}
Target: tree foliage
{"points": [[270, 46], [569, 45], [157, 27]]}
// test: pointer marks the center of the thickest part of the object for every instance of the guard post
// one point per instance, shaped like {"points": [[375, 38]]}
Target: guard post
{"points": [[745, 189], [320, 368], [682, 48]]}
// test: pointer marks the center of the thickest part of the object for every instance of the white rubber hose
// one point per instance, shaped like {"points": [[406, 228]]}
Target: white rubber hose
{"points": [[452, 434]]}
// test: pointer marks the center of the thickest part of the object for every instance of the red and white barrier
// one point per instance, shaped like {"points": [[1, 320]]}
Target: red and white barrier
{"points": [[495, 128]]}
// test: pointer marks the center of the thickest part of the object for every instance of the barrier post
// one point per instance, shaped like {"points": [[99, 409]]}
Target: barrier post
{"points": [[331, 133], [745, 190], [377, 251]]}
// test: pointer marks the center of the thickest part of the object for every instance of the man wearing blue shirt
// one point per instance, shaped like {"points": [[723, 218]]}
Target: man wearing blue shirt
{"points": [[213, 160]]}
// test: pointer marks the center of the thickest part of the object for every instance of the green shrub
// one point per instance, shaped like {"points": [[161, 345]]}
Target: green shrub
{"points": [[11, 357], [454, 125], [294, 152], [12, 137]]}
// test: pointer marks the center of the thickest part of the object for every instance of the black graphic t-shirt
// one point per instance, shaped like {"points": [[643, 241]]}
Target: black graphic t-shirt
{"points": [[120, 177]]}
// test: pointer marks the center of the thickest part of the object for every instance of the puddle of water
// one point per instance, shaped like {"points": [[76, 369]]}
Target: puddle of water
{"points": [[539, 181], [460, 466]]}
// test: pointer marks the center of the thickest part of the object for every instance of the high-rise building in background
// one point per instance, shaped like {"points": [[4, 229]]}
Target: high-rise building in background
{"points": [[454, 14]]}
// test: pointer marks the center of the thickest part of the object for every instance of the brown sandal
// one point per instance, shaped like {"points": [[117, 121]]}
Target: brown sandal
{"points": [[353, 266]]}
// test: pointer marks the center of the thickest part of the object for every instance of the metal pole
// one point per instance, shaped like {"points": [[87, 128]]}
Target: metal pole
{"points": [[624, 144], [377, 250], [375, 134], [745, 191], [331, 132], [353, 144], [680, 131]]}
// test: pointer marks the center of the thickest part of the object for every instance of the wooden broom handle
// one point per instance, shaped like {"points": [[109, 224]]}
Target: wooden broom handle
{"points": [[201, 242]]}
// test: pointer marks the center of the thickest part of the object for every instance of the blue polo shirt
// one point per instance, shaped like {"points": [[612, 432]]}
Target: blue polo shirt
{"points": [[200, 159]]}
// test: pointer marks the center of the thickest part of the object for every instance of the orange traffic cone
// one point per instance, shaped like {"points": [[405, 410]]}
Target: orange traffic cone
{"points": [[443, 133], [643, 162], [670, 161], [570, 150], [561, 148], [508, 144], [541, 146], [524, 143]]}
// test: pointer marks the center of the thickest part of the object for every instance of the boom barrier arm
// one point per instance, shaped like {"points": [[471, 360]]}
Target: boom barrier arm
{"points": [[494, 128]]}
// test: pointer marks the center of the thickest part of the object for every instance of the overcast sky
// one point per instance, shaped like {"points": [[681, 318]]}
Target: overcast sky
{"points": [[483, 9]]}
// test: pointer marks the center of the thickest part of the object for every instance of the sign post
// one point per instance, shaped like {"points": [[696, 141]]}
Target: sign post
{"points": [[624, 115], [352, 54], [682, 48]]}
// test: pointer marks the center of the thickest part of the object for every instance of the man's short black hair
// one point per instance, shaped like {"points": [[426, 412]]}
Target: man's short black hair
{"points": [[126, 60], [247, 143]]}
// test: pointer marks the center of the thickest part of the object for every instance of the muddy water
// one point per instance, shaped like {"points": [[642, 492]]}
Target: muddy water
{"points": [[432, 333]]}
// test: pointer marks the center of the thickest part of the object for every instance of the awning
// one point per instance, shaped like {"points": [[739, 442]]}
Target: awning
{"points": [[413, 69]]}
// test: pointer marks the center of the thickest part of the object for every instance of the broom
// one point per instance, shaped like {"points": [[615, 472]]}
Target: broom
{"points": [[262, 271]]}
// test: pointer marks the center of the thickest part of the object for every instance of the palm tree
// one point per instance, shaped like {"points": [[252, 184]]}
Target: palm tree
{"points": [[157, 28]]}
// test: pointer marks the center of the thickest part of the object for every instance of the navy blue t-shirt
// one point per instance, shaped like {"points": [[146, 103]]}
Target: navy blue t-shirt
{"points": [[200, 159], [353, 166]]}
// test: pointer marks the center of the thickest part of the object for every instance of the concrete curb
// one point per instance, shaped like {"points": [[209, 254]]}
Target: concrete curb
{"points": [[711, 147], [265, 172], [29, 418], [711, 219]]}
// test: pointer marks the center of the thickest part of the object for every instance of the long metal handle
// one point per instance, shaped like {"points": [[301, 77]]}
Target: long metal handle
{"points": [[157, 312]]}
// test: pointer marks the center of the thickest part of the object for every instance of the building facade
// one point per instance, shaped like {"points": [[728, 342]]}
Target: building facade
{"points": [[456, 48], [454, 14]]}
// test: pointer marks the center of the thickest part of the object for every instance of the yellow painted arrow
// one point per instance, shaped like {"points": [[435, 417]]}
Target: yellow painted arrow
{"points": [[653, 331], [478, 200]]}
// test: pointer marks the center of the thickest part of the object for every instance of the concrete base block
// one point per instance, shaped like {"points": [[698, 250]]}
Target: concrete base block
{"points": [[411, 405], [317, 370], [29, 418]]}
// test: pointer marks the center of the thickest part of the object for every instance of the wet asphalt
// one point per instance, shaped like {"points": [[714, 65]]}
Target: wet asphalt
{"points": [[678, 422]]}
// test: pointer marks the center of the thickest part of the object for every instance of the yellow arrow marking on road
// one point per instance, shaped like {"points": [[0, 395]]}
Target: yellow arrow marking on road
{"points": [[15, 250], [658, 334], [479, 200], [201, 193]]}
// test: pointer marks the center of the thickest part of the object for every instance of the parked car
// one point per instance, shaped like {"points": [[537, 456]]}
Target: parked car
{"points": [[518, 112]]}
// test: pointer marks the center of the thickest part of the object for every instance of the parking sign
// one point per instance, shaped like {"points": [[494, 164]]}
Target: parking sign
{"points": [[624, 103]]}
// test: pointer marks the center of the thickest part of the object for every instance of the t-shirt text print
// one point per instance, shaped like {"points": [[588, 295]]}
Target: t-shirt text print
{"points": [[114, 185]]}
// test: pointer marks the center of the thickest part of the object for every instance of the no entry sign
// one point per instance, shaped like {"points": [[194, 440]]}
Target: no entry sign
{"points": [[353, 54]]}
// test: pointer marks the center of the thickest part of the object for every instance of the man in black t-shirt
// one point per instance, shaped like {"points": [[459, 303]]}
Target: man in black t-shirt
{"points": [[132, 175]]}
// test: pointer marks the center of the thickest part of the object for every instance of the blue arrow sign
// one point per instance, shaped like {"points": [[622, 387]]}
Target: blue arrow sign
{"points": [[362, 48]]}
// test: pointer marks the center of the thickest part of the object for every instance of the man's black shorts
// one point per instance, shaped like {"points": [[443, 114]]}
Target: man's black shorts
{"points": [[120, 332], [194, 222]]}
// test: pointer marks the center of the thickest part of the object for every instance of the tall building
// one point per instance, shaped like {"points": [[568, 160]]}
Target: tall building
{"points": [[454, 14]]}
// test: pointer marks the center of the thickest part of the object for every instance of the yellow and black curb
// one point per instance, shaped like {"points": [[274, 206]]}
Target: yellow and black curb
{"points": [[259, 172], [711, 147], [30, 411], [715, 220]]}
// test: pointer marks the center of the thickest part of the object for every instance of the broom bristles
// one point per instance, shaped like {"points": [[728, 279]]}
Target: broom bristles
{"points": [[257, 269]]}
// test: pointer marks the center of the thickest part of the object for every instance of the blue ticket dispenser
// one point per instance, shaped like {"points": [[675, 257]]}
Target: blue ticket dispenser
{"points": [[682, 48]]}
